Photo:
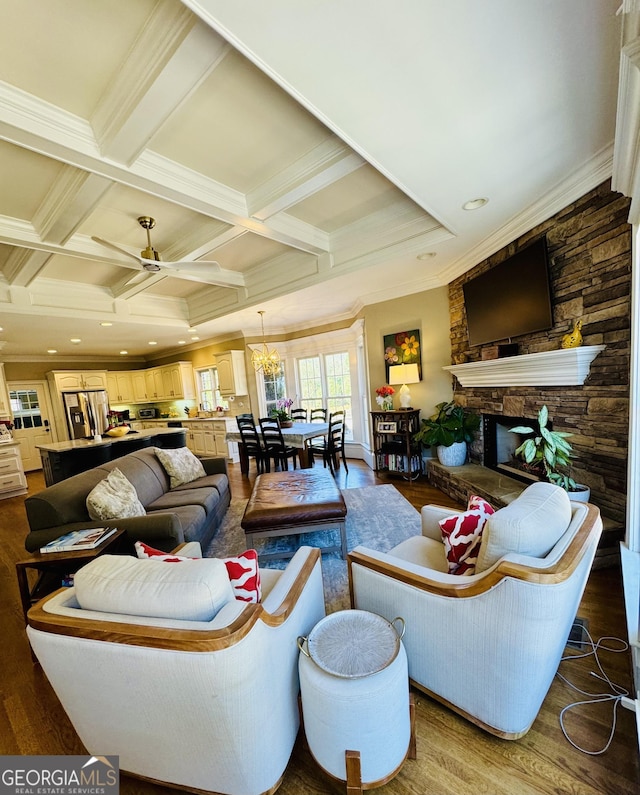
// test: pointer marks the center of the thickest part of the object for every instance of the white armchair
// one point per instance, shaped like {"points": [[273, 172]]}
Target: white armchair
{"points": [[486, 645], [206, 705]]}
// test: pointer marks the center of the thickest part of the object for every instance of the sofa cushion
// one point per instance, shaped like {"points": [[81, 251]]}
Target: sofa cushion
{"points": [[144, 470], [122, 584], [530, 525], [218, 482], [191, 518], [462, 535], [181, 465], [243, 571], [114, 498], [205, 498]]}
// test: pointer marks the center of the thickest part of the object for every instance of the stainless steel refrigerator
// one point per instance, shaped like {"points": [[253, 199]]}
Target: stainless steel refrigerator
{"points": [[86, 413]]}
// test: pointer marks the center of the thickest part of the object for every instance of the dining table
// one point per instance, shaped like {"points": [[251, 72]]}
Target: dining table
{"points": [[296, 436]]}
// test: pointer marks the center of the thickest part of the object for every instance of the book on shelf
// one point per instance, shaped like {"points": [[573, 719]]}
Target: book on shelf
{"points": [[78, 540]]}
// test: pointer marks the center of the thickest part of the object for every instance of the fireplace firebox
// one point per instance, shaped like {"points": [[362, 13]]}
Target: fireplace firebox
{"points": [[500, 445]]}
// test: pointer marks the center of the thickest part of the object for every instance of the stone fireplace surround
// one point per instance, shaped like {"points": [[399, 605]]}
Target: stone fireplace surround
{"points": [[590, 271]]}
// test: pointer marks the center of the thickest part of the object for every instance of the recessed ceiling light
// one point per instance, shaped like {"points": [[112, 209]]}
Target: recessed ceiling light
{"points": [[191, 330], [106, 323], [426, 255], [195, 339], [152, 342], [475, 204], [182, 342], [52, 350], [1, 329], [123, 353], [75, 340]]}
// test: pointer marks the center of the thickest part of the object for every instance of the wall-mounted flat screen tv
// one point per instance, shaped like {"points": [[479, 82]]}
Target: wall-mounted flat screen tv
{"points": [[511, 299]]}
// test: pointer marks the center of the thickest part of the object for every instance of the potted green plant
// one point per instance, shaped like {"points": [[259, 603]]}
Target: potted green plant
{"points": [[449, 430], [281, 411], [550, 454]]}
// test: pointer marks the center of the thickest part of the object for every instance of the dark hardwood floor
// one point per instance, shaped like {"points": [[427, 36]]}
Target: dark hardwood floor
{"points": [[453, 755]]}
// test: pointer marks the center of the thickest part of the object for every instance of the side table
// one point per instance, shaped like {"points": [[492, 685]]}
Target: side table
{"points": [[52, 566], [356, 708]]}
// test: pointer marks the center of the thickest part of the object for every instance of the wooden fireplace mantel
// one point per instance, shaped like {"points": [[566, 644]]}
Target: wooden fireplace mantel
{"points": [[562, 367]]}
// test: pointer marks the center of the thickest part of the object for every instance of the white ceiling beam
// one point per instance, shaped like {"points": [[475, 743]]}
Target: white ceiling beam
{"points": [[132, 284], [325, 164], [171, 57], [23, 265], [70, 201]]}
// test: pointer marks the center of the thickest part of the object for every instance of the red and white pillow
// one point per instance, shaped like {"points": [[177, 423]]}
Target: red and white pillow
{"points": [[243, 571], [462, 535]]}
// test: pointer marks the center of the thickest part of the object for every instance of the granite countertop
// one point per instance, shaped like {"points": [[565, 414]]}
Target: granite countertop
{"points": [[83, 444], [216, 418]]}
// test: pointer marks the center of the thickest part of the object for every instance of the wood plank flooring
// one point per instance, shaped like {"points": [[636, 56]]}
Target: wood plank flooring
{"points": [[454, 757]]}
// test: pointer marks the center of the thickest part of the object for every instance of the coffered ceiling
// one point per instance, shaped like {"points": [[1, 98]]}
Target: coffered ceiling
{"points": [[320, 152]]}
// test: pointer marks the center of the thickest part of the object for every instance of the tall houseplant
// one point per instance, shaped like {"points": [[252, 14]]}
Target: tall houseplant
{"points": [[549, 452], [449, 430]]}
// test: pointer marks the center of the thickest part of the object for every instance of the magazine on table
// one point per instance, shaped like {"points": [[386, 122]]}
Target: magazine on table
{"points": [[79, 539]]}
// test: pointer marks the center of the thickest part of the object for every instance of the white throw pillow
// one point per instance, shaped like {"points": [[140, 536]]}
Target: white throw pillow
{"points": [[123, 584], [530, 525], [181, 465], [114, 498]]}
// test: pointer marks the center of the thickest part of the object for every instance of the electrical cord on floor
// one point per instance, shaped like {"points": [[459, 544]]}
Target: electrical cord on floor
{"points": [[616, 694]]}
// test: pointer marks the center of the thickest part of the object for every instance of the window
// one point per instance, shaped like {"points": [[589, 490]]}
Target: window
{"points": [[275, 388], [209, 395], [25, 408], [326, 381]]}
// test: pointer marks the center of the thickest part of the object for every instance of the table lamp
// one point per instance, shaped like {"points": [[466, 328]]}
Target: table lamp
{"points": [[404, 374]]}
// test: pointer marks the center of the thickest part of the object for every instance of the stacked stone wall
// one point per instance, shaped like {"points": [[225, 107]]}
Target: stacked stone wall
{"points": [[589, 246]]}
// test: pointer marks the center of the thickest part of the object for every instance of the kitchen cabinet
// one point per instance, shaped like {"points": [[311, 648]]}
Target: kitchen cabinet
{"points": [[12, 478], [178, 381], [153, 380], [78, 380], [5, 408], [120, 387], [208, 438], [232, 374], [139, 386]]}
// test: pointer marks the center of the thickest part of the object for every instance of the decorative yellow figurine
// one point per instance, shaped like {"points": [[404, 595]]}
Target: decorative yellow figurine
{"points": [[574, 338]]}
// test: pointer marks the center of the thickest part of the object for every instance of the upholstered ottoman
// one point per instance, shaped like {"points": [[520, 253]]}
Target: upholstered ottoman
{"points": [[288, 503], [354, 687]]}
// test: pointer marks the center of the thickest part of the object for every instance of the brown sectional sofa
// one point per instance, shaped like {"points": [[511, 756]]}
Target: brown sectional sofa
{"points": [[190, 512]]}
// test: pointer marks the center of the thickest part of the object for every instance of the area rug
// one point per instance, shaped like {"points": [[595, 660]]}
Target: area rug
{"points": [[378, 517]]}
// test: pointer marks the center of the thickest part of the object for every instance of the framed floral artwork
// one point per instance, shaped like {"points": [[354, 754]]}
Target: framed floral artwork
{"points": [[403, 347]]}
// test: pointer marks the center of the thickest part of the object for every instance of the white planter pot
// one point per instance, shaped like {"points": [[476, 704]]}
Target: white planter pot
{"points": [[453, 456], [580, 496]]}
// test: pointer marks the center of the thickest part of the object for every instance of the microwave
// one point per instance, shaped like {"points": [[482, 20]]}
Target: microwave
{"points": [[147, 414]]}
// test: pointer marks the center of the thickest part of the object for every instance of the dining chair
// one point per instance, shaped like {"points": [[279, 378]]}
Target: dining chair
{"points": [[252, 442], [299, 415], [334, 443], [274, 445], [316, 445]]}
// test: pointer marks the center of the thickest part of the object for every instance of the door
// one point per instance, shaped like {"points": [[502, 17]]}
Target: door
{"points": [[31, 414]]}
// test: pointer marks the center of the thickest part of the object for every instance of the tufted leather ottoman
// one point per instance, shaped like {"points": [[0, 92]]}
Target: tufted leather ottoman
{"points": [[288, 503]]}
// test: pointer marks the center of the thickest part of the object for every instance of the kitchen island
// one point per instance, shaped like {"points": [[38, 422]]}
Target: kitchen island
{"points": [[61, 460]]}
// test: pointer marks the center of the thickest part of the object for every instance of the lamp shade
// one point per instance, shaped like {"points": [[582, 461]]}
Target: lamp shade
{"points": [[404, 374]]}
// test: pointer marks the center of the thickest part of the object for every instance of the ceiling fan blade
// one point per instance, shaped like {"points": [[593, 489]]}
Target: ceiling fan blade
{"points": [[117, 248], [206, 272]]}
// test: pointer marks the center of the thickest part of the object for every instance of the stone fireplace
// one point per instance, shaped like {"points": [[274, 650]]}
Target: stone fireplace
{"points": [[499, 444], [590, 272]]}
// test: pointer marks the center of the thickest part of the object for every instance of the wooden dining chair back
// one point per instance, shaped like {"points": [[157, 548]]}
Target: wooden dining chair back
{"points": [[274, 445], [299, 415], [318, 415], [334, 445], [252, 442]]}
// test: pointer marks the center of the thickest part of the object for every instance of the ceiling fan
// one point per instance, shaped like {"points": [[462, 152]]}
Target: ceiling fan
{"points": [[205, 271]]}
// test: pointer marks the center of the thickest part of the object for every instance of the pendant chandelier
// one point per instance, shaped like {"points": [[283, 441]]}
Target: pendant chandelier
{"points": [[264, 359]]}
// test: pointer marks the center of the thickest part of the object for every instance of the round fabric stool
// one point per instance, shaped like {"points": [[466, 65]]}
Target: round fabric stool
{"points": [[354, 687]]}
